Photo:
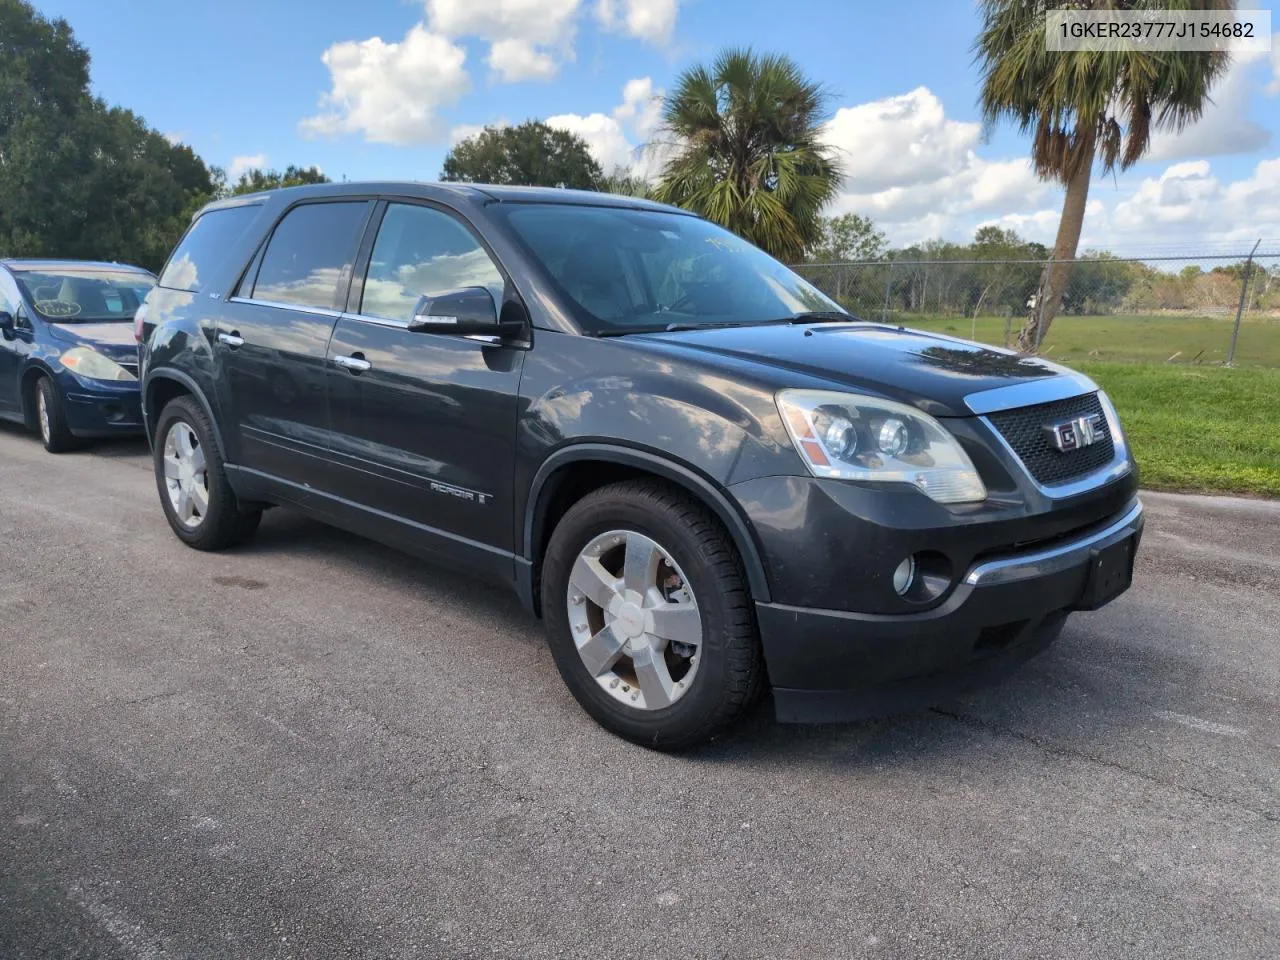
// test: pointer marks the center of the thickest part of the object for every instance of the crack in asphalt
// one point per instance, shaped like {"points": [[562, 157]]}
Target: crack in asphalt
{"points": [[1059, 750]]}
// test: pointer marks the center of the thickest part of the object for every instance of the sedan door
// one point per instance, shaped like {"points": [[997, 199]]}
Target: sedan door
{"points": [[423, 424], [271, 340], [11, 357]]}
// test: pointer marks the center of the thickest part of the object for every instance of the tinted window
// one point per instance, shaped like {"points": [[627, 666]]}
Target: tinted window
{"points": [[308, 252], [635, 269], [423, 252], [8, 295], [209, 240]]}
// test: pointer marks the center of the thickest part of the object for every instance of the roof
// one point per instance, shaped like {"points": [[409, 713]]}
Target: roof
{"points": [[84, 266], [456, 193]]}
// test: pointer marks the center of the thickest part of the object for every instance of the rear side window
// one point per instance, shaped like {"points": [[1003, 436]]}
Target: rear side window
{"points": [[309, 254], [205, 245]]}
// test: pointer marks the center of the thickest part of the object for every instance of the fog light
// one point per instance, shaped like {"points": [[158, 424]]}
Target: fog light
{"points": [[904, 576]]}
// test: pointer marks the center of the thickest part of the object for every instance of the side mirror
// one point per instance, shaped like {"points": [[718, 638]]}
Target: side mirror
{"points": [[7, 324], [461, 313]]}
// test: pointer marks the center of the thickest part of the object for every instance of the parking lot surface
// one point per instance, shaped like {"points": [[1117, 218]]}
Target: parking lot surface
{"points": [[317, 747]]}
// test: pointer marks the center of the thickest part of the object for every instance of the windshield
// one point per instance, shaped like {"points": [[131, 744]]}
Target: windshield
{"points": [[85, 296], [629, 270]]}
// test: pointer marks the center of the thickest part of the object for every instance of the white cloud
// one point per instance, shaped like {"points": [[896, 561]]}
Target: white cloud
{"points": [[174, 138], [651, 20], [536, 21], [515, 60], [1273, 87], [916, 172], [603, 135], [899, 141], [1224, 127], [245, 163], [641, 106], [391, 92], [528, 38]]}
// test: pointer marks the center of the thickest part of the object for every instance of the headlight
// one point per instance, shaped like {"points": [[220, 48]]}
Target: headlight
{"points": [[851, 437], [1113, 424], [89, 363]]}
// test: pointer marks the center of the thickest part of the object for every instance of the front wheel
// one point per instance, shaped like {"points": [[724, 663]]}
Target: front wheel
{"points": [[198, 501], [648, 615], [51, 419]]}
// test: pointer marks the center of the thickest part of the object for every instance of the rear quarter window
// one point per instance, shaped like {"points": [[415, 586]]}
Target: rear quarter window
{"points": [[205, 246]]}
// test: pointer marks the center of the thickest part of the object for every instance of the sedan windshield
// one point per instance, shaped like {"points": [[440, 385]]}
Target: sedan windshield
{"points": [[85, 296], [628, 270]]}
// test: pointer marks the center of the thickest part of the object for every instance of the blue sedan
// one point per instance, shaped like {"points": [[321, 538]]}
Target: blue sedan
{"points": [[68, 356]]}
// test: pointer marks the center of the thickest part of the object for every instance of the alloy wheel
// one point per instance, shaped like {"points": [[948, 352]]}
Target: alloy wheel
{"points": [[635, 620], [186, 475], [42, 416]]}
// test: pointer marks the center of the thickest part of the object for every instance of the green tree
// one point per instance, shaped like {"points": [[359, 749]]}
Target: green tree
{"points": [[255, 180], [532, 154], [848, 237], [1081, 108], [79, 178], [747, 152]]}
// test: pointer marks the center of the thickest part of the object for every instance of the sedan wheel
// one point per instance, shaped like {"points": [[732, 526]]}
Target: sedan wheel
{"points": [[186, 475], [635, 620], [42, 416]]}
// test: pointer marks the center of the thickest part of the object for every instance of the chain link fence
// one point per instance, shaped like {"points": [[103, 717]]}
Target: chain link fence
{"points": [[1219, 308]]}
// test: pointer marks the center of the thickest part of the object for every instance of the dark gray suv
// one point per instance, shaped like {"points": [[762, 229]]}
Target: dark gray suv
{"points": [[705, 476]]}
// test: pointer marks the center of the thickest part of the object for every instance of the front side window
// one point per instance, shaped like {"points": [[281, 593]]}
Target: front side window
{"points": [[308, 253], [423, 252], [627, 269], [72, 295], [205, 245]]}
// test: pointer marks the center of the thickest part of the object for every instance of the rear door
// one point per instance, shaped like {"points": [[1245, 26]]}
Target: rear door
{"points": [[272, 337], [424, 424]]}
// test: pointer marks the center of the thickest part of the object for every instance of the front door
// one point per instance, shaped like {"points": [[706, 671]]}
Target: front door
{"points": [[272, 337], [423, 425], [13, 346]]}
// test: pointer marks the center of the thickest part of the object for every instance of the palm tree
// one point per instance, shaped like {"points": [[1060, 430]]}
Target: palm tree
{"points": [[1081, 107], [745, 150]]}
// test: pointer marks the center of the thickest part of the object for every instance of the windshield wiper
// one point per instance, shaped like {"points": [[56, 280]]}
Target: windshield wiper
{"points": [[819, 316]]}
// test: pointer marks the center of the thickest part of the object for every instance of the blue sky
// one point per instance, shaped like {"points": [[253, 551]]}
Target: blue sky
{"points": [[378, 89]]}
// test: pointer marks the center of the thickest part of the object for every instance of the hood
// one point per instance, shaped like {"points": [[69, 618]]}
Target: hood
{"points": [[933, 373], [113, 338]]}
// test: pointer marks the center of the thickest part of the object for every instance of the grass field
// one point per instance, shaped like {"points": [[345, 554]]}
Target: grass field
{"points": [[1193, 426], [1148, 339]]}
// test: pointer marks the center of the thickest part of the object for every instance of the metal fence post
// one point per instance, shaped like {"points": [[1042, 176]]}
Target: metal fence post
{"points": [[888, 294], [1244, 292]]}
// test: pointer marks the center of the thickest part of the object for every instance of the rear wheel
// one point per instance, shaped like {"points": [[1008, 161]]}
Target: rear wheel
{"points": [[197, 499], [648, 615], [51, 420]]}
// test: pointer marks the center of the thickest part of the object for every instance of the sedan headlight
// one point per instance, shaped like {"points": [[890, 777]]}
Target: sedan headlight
{"points": [[89, 363], [847, 436]]}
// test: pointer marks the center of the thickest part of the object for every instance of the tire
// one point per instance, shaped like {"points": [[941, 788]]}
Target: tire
{"points": [[208, 517], [51, 418], [697, 554]]}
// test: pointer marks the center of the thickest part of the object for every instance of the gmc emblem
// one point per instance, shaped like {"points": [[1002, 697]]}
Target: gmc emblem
{"points": [[1068, 435]]}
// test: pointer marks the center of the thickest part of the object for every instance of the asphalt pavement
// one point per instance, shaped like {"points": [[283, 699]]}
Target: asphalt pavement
{"points": [[314, 746]]}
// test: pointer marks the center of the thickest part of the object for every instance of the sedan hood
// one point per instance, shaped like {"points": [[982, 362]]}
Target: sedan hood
{"points": [[933, 373], [113, 338]]}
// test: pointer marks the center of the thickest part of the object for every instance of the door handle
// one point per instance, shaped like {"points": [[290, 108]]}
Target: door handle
{"points": [[356, 363], [232, 339]]}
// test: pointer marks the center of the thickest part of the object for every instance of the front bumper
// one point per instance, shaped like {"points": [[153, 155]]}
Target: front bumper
{"points": [[829, 665], [97, 408]]}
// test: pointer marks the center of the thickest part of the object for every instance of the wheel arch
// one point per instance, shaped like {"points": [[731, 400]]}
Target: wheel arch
{"points": [[164, 385], [622, 463]]}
